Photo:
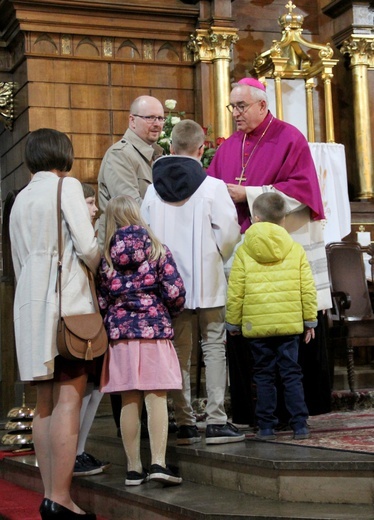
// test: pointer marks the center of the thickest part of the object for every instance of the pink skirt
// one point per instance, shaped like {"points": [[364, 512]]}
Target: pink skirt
{"points": [[140, 365]]}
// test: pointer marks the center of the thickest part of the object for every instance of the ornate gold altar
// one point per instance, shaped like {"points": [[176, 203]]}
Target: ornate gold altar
{"points": [[291, 58], [294, 58]]}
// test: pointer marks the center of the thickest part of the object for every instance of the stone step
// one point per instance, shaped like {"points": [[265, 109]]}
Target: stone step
{"points": [[267, 470], [105, 494]]}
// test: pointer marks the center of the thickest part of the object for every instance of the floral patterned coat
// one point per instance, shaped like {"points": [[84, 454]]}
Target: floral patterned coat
{"points": [[139, 297]]}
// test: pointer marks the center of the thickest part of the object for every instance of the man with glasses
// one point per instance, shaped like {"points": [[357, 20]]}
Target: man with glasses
{"points": [[267, 154], [126, 168]]}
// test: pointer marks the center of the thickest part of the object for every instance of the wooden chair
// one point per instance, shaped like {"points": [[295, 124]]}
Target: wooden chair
{"points": [[351, 319]]}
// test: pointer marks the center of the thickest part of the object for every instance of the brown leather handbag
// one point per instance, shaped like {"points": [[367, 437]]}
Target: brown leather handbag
{"points": [[81, 336]]}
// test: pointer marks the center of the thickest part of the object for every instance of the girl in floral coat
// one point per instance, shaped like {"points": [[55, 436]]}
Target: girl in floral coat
{"points": [[140, 290]]}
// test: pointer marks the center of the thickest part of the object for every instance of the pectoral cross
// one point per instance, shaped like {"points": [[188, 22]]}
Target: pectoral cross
{"points": [[241, 178]]}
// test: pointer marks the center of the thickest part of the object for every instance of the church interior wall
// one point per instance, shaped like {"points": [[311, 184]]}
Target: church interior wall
{"points": [[78, 70]]}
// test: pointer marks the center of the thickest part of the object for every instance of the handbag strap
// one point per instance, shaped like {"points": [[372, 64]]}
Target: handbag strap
{"points": [[59, 244], [60, 253]]}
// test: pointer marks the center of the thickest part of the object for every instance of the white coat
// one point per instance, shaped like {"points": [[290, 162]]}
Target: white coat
{"points": [[201, 232], [33, 234]]}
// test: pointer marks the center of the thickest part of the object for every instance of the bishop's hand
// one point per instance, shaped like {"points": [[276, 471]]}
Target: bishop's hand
{"points": [[237, 193]]}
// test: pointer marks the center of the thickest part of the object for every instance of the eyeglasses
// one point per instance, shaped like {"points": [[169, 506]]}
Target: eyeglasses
{"points": [[240, 107], [151, 119]]}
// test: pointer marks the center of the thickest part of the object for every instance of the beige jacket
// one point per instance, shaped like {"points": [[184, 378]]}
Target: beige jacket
{"points": [[126, 169]]}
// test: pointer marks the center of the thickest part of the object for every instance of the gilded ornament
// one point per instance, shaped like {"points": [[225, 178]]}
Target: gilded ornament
{"points": [[148, 50], [360, 50], [7, 104], [66, 44], [108, 47]]}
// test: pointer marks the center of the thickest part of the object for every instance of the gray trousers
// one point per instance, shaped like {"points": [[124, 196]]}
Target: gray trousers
{"points": [[210, 324]]}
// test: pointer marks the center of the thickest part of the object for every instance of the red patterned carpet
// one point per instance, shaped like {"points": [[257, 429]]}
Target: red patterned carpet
{"points": [[346, 431]]}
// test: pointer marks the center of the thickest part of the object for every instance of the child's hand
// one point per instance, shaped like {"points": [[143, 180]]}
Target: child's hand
{"points": [[308, 335], [234, 332]]}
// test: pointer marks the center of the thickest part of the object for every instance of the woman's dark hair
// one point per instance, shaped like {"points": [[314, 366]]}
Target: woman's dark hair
{"points": [[48, 149]]}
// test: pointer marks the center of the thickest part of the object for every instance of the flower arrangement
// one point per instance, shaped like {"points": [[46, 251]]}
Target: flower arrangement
{"points": [[210, 147], [172, 119]]}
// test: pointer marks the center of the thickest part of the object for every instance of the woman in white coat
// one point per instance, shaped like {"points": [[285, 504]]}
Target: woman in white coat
{"points": [[60, 384]]}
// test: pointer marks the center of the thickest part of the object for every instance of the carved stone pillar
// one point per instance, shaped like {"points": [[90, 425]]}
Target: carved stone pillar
{"points": [[214, 46], [6, 104], [361, 53]]}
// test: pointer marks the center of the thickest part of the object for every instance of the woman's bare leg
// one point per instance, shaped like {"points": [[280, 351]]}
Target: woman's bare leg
{"points": [[40, 432], [55, 434]]}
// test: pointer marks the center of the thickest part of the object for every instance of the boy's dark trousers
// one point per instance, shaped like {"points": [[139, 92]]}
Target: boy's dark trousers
{"points": [[268, 354]]}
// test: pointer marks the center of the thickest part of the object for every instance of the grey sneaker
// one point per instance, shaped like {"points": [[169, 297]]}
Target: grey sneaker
{"points": [[188, 435], [222, 433]]}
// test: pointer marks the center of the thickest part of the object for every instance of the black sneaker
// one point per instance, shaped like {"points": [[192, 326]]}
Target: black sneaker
{"points": [[188, 435], [173, 428], [93, 461], [133, 478], [83, 469], [168, 476], [222, 433]]}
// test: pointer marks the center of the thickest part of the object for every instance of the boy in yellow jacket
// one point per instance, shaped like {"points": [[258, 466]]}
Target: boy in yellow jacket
{"points": [[271, 300]]}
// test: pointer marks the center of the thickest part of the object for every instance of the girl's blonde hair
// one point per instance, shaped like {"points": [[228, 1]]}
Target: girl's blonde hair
{"points": [[123, 211]]}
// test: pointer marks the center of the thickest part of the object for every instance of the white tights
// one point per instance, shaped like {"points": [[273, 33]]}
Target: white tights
{"points": [[90, 404], [158, 423]]}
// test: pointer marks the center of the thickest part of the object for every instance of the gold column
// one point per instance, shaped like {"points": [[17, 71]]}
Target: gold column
{"points": [[6, 104], [361, 53], [222, 41], [214, 45], [327, 75], [278, 96], [309, 87], [279, 65]]}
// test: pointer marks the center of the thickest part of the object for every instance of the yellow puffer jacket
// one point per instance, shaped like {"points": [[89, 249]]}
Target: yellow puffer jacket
{"points": [[271, 289]]}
